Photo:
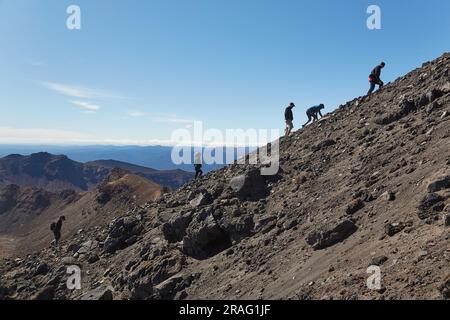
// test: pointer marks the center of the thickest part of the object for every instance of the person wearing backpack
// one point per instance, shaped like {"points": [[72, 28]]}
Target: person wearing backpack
{"points": [[374, 78], [56, 227]]}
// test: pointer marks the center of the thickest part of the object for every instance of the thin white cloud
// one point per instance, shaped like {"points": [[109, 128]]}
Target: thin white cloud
{"points": [[136, 114], [80, 92], [36, 63], [39, 135], [173, 120], [86, 106]]}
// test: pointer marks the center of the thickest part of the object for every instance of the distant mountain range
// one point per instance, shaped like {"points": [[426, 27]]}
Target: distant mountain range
{"points": [[58, 172], [157, 157]]}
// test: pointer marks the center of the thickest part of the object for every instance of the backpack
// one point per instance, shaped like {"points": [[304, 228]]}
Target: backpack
{"points": [[53, 226]]}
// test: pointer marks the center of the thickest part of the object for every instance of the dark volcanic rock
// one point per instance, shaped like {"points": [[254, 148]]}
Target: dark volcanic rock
{"points": [[47, 293], [175, 229], [121, 233], [439, 184], [325, 238], [354, 206], [430, 207], [42, 269], [249, 186], [100, 293], [445, 288], [393, 228], [378, 261], [202, 199], [205, 239]]}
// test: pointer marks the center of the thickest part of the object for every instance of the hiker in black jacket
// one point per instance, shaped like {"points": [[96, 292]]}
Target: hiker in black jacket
{"points": [[313, 113], [289, 117], [374, 78], [56, 228]]}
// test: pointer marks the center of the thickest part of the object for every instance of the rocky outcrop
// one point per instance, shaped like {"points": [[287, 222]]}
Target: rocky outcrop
{"points": [[123, 233], [329, 236]]}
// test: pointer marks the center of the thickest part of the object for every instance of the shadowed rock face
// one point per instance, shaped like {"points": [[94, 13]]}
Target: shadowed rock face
{"points": [[364, 186], [322, 239], [8, 198], [51, 172]]}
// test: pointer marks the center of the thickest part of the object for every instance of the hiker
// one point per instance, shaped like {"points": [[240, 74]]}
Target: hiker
{"points": [[56, 228], [374, 78], [313, 113], [289, 117], [198, 166]]}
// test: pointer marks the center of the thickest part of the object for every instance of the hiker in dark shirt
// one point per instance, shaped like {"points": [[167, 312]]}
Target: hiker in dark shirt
{"points": [[289, 118], [313, 113], [374, 78], [56, 228]]}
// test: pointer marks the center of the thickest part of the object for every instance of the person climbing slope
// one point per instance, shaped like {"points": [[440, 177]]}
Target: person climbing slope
{"points": [[289, 118], [198, 165], [313, 113], [56, 228], [374, 78]]}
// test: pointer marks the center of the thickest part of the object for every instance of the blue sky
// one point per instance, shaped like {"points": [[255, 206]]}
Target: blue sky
{"points": [[139, 69]]}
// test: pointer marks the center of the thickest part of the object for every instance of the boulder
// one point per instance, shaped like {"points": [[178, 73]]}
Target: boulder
{"points": [[445, 288], [202, 199], [169, 288], [378, 261], [393, 228], [250, 186], [327, 237], [46, 293], [237, 228], [103, 292], [430, 207], [121, 233], [389, 196], [205, 239], [87, 247], [433, 95], [447, 220], [175, 230], [439, 184], [42, 269], [354, 206]]}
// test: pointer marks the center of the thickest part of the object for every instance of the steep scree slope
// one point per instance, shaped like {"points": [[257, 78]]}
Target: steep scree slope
{"points": [[367, 185]]}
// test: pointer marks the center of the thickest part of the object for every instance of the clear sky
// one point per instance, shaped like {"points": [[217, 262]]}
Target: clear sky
{"points": [[139, 69]]}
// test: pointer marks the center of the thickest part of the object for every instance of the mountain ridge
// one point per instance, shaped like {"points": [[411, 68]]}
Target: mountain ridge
{"points": [[58, 172]]}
